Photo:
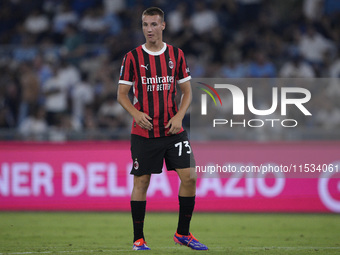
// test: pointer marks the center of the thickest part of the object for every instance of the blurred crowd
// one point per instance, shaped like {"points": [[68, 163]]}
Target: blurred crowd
{"points": [[60, 60]]}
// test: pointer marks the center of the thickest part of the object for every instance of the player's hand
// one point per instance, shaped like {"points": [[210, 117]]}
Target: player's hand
{"points": [[143, 120], [175, 125]]}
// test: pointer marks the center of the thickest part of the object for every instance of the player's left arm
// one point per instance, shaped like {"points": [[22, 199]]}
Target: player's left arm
{"points": [[175, 123]]}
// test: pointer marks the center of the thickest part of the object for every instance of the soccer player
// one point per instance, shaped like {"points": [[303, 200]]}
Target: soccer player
{"points": [[153, 70]]}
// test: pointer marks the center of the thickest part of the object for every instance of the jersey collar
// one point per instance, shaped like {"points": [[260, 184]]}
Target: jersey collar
{"points": [[154, 53]]}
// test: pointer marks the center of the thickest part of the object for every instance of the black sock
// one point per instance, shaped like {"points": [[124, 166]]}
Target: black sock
{"points": [[138, 215], [186, 207]]}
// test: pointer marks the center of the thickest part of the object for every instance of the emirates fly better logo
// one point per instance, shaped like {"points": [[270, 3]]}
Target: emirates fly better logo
{"points": [[289, 96]]}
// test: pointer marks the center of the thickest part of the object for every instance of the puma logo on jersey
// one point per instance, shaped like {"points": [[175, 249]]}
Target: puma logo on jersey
{"points": [[146, 67]]}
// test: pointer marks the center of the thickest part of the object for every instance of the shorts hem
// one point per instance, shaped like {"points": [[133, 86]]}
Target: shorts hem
{"points": [[140, 174]]}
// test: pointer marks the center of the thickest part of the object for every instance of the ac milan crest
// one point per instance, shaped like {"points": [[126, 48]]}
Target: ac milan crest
{"points": [[171, 64], [135, 164]]}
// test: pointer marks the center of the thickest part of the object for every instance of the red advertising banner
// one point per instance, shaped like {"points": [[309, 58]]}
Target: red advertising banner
{"points": [[95, 176]]}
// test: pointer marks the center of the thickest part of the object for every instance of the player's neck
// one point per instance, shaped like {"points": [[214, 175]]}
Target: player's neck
{"points": [[154, 47]]}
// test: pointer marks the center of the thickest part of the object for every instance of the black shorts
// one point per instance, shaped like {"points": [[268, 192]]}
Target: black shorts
{"points": [[148, 154]]}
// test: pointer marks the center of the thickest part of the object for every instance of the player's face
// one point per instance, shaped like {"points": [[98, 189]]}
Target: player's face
{"points": [[153, 28]]}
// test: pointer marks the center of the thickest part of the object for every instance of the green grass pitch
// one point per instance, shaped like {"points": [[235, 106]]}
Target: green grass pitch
{"points": [[111, 233]]}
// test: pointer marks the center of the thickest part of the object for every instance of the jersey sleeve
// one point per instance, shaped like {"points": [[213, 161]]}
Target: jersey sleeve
{"points": [[183, 72], [126, 75]]}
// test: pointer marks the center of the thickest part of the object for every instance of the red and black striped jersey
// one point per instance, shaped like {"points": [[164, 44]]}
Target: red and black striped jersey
{"points": [[154, 76]]}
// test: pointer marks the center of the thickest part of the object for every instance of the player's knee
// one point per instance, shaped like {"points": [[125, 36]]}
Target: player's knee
{"points": [[189, 181], [142, 183]]}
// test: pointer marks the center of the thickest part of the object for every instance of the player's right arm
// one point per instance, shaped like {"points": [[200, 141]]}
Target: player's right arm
{"points": [[141, 118]]}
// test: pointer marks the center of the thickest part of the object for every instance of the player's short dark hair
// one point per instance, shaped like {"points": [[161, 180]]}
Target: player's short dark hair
{"points": [[154, 11]]}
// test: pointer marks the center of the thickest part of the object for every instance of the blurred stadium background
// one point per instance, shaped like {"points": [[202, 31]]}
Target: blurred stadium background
{"points": [[64, 138], [60, 60]]}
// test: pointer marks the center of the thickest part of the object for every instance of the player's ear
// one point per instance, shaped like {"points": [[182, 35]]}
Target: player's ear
{"points": [[163, 25]]}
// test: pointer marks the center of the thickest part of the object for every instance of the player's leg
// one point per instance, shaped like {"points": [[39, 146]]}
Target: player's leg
{"points": [[138, 204], [188, 179], [179, 157], [147, 159], [186, 197], [140, 187]]}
